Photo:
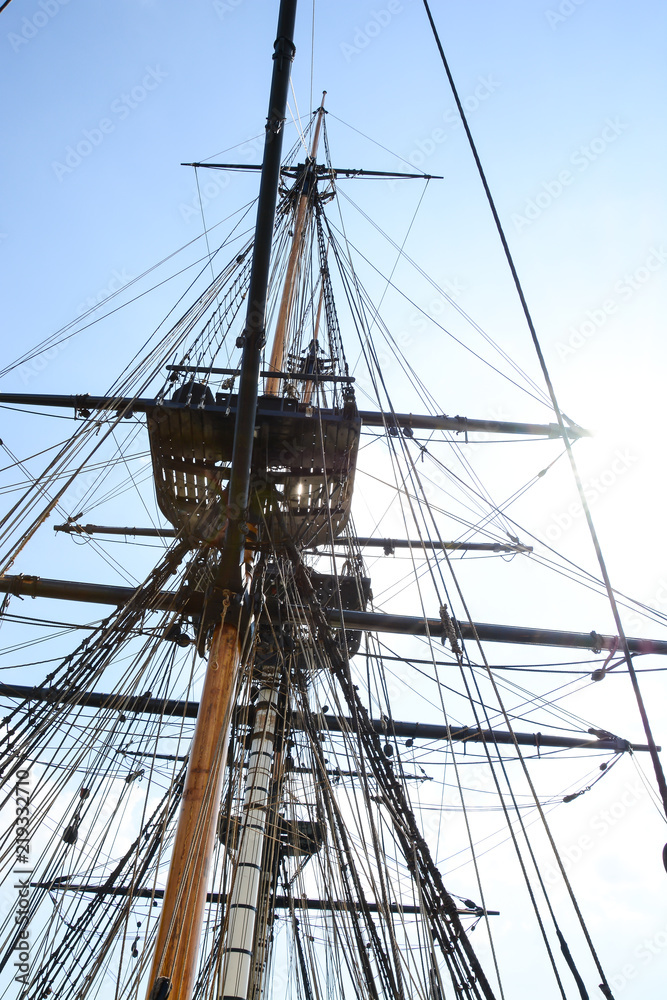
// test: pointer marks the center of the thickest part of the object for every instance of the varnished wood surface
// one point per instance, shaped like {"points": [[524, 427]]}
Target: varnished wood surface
{"points": [[177, 946]]}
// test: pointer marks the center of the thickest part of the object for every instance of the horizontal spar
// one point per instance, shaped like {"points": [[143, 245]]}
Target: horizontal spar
{"points": [[91, 593], [387, 544], [145, 705], [370, 418], [321, 169], [107, 529], [427, 422], [190, 602], [405, 625], [279, 902], [471, 734]]}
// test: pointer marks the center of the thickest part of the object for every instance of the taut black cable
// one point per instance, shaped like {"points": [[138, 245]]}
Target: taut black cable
{"points": [[659, 773]]}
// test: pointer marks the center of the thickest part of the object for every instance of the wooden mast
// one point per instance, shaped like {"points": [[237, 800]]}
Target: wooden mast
{"points": [[177, 945], [177, 948], [287, 300], [308, 388]]}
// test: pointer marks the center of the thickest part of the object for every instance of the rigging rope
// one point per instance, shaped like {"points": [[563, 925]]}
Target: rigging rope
{"points": [[657, 765]]}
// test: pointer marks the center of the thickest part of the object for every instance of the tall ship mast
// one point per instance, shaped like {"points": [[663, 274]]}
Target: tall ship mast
{"points": [[226, 788]]}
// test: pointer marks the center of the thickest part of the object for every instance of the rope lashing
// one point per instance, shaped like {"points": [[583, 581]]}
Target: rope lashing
{"points": [[449, 632]]}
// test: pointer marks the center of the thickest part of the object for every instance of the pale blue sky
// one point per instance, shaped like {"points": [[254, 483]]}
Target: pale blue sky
{"points": [[581, 91]]}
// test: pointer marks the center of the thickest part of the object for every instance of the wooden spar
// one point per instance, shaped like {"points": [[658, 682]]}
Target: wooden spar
{"points": [[308, 388], [329, 723], [170, 600], [287, 299], [279, 902], [177, 944], [176, 954]]}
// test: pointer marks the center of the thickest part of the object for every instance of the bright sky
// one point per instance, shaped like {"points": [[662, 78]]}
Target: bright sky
{"points": [[105, 100]]}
